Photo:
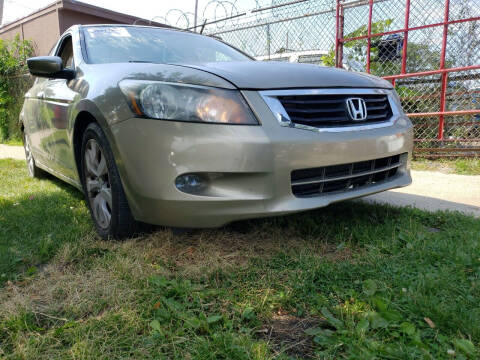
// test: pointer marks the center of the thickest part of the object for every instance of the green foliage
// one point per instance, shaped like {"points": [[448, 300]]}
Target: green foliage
{"points": [[13, 84], [329, 59]]}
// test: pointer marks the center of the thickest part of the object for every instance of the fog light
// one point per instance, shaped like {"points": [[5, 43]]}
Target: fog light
{"points": [[190, 183]]}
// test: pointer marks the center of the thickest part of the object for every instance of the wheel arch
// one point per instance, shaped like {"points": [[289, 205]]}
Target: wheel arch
{"points": [[87, 112]]}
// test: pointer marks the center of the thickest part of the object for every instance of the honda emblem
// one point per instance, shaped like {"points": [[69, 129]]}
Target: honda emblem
{"points": [[357, 109]]}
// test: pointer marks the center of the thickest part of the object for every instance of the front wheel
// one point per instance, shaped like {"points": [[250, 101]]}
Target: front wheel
{"points": [[103, 188]]}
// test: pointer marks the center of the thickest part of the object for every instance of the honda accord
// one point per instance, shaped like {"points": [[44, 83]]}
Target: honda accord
{"points": [[174, 128]]}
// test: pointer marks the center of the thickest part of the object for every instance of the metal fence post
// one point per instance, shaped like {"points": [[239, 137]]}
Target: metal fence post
{"points": [[268, 42], [405, 41], [405, 37], [369, 39], [443, 93], [339, 35]]}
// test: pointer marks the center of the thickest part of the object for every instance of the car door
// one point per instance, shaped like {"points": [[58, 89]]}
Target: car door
{"points": [[58, 97], [35, 125], [37, 122]]}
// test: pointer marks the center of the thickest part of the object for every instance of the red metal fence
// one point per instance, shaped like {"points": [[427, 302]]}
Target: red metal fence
{"points": [[429, 49], [457, 127]]}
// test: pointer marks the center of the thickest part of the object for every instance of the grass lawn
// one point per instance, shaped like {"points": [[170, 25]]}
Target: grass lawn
{"points": [[466, 166], [354, 281]]}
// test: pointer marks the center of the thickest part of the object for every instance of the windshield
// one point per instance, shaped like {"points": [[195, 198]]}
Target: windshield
{"points": [[115, 44]]}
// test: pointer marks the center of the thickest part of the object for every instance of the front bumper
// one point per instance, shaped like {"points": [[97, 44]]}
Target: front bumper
{"points": [[255, 163]]}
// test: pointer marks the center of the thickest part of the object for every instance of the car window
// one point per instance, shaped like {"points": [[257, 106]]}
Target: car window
{"points": [[115, 44], [66, 53]]}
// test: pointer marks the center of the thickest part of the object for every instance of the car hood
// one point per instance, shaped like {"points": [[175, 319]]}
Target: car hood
{"points": [[263, 75]]}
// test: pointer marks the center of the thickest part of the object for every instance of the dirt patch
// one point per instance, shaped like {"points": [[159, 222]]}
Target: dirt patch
{"points": [[334, 253], [91, 272], [59, 292], [200, 251], [286, 333]]}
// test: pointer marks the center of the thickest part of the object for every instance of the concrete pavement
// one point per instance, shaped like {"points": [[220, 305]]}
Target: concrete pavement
{"points": [[14, 152], [434, 191]]}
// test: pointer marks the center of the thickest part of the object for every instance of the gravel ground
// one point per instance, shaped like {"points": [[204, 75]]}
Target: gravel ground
{"points": [[430, 190]]}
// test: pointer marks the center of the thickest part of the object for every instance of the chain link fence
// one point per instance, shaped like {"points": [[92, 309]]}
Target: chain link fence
{"points": [[429, 49], [281, 28]]}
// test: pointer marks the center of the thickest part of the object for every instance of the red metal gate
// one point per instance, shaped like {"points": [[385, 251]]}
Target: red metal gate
{"points": [[425, 91]]}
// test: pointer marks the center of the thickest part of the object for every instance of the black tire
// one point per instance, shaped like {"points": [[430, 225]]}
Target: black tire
{"points": [[121, 223], [33, 170]]}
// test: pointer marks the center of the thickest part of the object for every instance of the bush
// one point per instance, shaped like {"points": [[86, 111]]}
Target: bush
{"points": [[13, 84]]}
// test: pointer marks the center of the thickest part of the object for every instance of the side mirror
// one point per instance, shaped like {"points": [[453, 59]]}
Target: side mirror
{"points": [[49, 67]]}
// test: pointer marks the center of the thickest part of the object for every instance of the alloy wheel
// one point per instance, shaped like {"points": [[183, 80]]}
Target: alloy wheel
{"points": [[97, 182]]}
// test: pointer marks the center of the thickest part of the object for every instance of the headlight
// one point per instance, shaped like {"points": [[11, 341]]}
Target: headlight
{"points": [[167, 101]]}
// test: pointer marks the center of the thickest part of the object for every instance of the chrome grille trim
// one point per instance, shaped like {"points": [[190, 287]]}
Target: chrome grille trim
{"points": [[271, 99], [327, 180], [345, 177]]}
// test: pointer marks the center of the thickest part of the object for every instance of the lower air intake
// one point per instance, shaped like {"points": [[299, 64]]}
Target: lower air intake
{"points": [[345, 177]]}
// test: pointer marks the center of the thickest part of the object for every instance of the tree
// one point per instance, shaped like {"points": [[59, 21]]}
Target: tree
{"points": [[13, 65]]}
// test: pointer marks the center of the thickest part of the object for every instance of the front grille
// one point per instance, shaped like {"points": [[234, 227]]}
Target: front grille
{"points": [[323, 111], [344, 177]]}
